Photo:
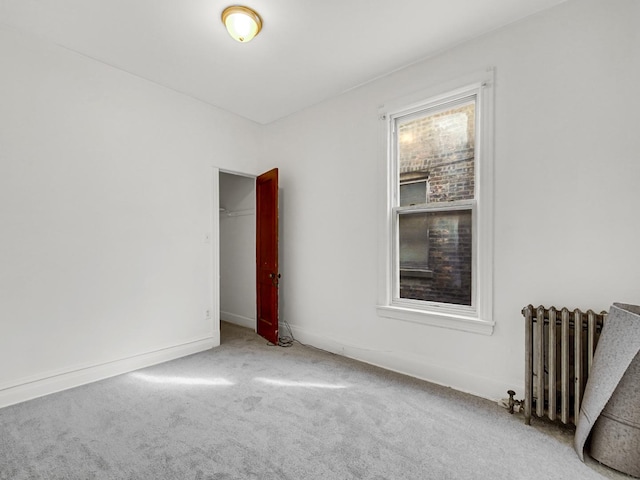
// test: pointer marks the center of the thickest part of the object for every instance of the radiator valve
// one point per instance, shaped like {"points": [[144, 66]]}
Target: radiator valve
{"points": [[514, 405]]}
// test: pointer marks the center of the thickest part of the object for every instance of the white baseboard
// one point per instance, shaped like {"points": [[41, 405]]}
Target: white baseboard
{"points": [[238, 320], [27, 389], [408, 364]]}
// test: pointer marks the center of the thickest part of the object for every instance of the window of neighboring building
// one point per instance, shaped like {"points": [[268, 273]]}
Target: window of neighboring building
{"points": [[438, 248]]}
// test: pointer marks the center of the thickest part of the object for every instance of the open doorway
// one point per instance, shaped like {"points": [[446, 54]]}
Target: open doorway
{"points": [[237, 201], [246, 278]]}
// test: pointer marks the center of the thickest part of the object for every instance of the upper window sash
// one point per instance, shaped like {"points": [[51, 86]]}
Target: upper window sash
{"points": [[443, 103]]}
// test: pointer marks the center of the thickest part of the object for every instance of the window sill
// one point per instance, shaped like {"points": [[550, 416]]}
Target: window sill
{"points": [[415, 273], [437, 319]]}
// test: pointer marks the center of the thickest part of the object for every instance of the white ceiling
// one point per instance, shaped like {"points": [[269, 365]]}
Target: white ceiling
{"points": [[308, 50]]}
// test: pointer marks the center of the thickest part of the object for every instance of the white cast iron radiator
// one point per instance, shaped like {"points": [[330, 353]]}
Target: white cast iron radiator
{"points": [[559, 346]]}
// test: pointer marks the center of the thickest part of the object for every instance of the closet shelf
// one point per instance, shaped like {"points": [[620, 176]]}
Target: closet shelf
{"points": [[236, 213]]}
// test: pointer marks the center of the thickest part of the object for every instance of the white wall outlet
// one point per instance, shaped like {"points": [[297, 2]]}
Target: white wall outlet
{"points": [[207, 238], [207, 313]]}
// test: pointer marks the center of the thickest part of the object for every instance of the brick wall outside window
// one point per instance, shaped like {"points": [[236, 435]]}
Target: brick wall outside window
{"points": [[440, 147]]}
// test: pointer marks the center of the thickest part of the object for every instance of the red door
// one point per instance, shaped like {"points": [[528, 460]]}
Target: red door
{"points": [[267, 275]]}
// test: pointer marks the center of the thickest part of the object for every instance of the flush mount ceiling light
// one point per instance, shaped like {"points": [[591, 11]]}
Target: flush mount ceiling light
{"points": [[242, 23]]}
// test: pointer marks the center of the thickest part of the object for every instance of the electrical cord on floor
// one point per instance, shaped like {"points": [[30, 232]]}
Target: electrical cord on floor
{"points": [[287, 340], [282, 342]]}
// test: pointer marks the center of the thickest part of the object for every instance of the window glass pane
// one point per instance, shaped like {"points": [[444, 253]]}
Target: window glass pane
{"points": [[414, 193], [440, 147], [435, 251], [413, 238]]}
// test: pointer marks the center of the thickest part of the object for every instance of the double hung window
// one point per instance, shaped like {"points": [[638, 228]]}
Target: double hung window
{"points": [[438, 251]]}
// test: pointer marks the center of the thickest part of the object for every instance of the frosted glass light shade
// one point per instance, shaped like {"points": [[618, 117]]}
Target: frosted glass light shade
{"points": [[242, 23]]}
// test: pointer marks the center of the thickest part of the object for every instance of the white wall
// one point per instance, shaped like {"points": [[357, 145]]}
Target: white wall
{"points": [[566, 195], [238, 250], [106, 191]]}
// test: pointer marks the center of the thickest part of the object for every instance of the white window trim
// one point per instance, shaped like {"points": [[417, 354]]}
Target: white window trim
{"points": [[477, 318]]}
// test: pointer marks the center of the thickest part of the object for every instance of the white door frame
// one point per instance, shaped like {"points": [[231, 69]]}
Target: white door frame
{"points": [[215, 243]]}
